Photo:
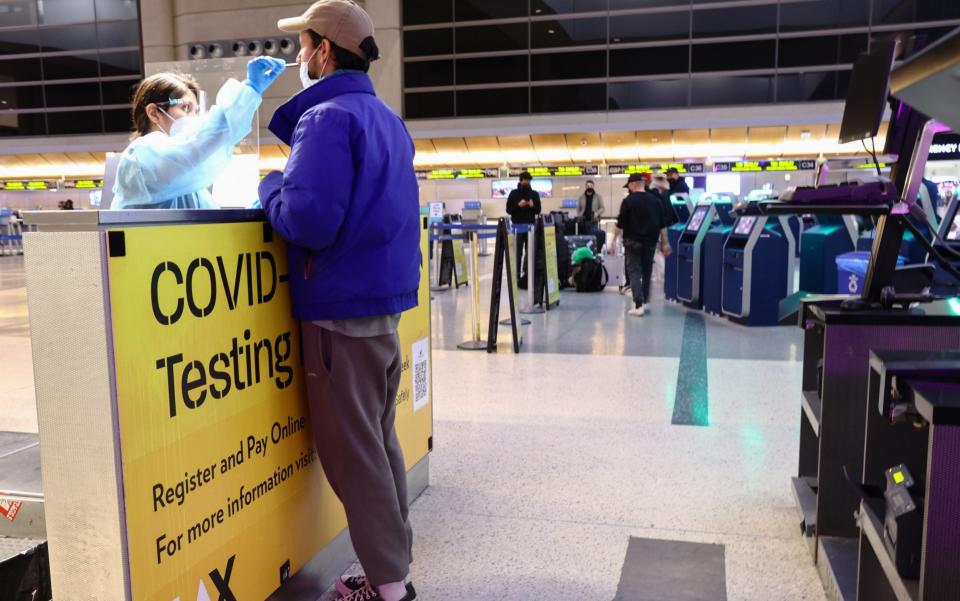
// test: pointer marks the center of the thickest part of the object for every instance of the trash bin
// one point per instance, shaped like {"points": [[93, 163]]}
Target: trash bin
{"points": [[852, 270]]}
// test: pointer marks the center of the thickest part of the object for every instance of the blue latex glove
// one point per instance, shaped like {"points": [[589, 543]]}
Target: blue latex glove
{"points": [[263, 71]]}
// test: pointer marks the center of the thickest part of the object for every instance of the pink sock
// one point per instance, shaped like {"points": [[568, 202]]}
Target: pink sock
{"points": [[394, 591]]}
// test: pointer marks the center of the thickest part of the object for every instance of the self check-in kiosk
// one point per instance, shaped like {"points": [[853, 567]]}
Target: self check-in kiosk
{"points": [[820, 245], [713, 255], [758, 265], [682, 206], [691, 249]]}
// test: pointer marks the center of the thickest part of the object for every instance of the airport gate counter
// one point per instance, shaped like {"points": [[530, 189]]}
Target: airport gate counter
{"points": [[175, 440], [878, 486]]}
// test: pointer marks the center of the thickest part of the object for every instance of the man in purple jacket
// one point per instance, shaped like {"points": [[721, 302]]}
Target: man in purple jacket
{"points": [[348, 205]]}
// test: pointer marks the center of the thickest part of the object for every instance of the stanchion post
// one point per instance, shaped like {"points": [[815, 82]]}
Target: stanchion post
{"points": [[476, 344], [532, 307]]}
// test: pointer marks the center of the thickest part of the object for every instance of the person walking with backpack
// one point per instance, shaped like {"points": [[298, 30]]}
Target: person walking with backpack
{"points": [[642, 223]]}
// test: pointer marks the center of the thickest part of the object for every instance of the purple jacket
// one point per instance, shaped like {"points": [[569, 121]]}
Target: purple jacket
{"points": [[347, 202]]}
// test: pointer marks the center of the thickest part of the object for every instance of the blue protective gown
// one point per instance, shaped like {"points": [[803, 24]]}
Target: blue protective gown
{"points": [[158, 171]]}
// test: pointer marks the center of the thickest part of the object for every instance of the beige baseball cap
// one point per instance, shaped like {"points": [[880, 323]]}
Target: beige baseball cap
{"points": [[343, 22]]}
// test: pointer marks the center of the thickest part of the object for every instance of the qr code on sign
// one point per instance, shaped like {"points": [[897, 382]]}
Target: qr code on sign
{"points": [[421, 374]]}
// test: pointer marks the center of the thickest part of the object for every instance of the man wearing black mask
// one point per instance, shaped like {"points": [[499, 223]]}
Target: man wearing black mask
{"points": [[523, 206], [590, 206]]}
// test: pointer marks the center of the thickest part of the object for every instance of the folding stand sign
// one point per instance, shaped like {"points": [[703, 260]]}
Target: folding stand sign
{"points": [[502, 258], [453, 263], [550, 281]]}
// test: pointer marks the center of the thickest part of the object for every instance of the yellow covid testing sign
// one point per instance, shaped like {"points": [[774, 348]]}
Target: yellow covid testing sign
{"points": [[224, 496], [553, 272]]}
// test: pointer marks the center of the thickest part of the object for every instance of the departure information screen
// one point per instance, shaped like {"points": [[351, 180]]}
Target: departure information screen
{"points": [[745, 225], [697, 219]]}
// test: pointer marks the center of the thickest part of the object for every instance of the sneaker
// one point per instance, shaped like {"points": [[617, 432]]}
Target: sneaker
{"points": [[368, 594], [350, 584], [638, 312]]}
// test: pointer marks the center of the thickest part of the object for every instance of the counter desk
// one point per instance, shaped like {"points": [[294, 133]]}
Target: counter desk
{"points": [[175, 442]]}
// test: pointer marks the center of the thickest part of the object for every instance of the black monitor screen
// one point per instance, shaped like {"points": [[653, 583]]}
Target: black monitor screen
{"points": [[867, 95]]}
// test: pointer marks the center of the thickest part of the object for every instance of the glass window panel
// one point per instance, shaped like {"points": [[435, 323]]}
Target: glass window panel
{"points": [[17, 13], [510, 101], [658, 60], [559, 99], [843, 84], [32, 124], [747, 20], [801, 15], [69, 39], [118, 35], [851, 46], [118, 92], [650, 27], [568, 32], [18, 42], [430, 73], [117, 120], [806, 87], [80, 122], [559, 7], [20, 69], [488, 38], [61, 12], [887, 12], [116, 10], [805, 51], [937, 10], [631, 4], [428, 41], [419, 12], [428, 105], [119, 63], [491, 69], [476, 10], [70, 67], [73, 94], [716, 91], [649, 94], [734, 56], [568, 65], [22, 97]]}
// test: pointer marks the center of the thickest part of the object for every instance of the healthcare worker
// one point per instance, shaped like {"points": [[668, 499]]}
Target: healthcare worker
{"points": [[177, 153]]}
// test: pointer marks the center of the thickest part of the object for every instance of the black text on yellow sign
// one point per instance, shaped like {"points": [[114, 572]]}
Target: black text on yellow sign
{"points": [[250, 278]]}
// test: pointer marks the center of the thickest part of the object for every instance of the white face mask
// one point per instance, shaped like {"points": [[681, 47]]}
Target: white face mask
{"points": [[305, 78], [181, 125]]}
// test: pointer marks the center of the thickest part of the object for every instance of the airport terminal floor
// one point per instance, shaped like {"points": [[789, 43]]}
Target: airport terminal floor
{"points": [[572, 470]]}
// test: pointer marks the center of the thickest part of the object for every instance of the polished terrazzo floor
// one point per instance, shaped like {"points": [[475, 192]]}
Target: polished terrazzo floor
{"points": [[547, 462]]}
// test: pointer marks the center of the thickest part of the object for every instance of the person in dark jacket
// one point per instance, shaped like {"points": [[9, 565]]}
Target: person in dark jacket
{"points": [[348, 206], [642, 223], [523, 206], [677, 184]]}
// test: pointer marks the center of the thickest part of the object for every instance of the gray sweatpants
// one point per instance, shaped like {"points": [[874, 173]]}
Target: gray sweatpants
{"points": [[352, 388]]}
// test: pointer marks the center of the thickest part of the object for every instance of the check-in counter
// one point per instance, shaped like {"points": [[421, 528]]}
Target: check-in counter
{"points": [[175, 441]]}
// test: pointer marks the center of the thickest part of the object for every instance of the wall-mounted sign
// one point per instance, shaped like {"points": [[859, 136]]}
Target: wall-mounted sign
{"points": [[560, 171], [473, 205], [762, 166], [871, 166], [945, 147], [682, 168], [479, 173], [17, 186]]}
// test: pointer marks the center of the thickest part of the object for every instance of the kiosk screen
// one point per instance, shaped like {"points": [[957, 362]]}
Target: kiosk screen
{"points": [[697, 219], [745, 225]]}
